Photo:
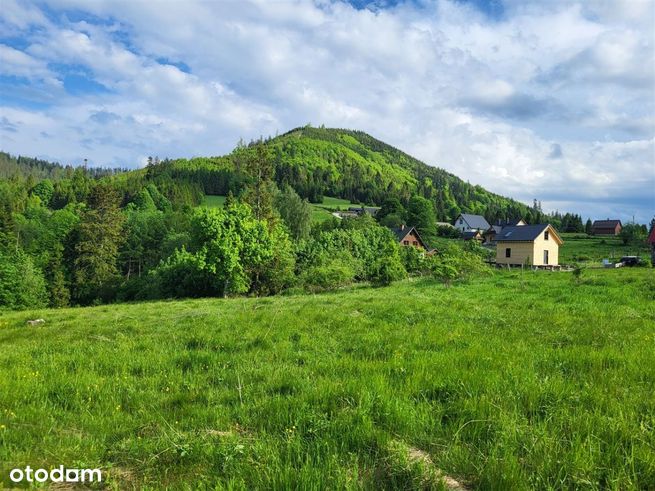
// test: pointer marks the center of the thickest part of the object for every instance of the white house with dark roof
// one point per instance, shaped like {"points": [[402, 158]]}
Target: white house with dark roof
{"points": [[470, 223]]}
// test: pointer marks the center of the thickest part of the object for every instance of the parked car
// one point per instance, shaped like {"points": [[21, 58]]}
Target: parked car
{"points": [[631, 260]]}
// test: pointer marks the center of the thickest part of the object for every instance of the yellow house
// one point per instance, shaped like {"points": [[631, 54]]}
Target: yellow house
{"points": [[536, 245]]}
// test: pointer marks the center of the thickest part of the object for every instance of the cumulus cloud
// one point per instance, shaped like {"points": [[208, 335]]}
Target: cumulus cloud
{"points": [[484, 94]]}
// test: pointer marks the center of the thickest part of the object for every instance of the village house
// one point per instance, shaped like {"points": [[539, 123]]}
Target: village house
{"points": [[489, 235], [651, 241], [606, 227], [472, 235], [466, 223], [409, 237], [534, 245], [361, 210]]}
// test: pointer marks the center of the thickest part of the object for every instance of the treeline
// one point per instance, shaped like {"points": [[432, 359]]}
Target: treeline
{"points": [[141, 235], [12, 167]]}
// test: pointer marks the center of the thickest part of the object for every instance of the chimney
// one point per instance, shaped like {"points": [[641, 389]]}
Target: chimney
{"points": [[402, 227]]}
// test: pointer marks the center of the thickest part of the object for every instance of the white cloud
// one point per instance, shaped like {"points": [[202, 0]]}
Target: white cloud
{"points": [[485, 99]]}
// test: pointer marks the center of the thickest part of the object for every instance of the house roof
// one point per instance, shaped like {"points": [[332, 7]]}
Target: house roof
{"points": [[510, 223], [494, 229], [606, 223], [475, 221], [364, 209], [470, 234], [525, 233], [401, 233]]}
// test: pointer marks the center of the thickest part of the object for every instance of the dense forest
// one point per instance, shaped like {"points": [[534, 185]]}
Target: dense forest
{"points": [[78, 236]]}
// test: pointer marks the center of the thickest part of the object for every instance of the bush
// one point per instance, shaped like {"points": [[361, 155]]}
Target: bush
{"points": [[386, 270], [454, 262], [449, 232], [330, 275], [414, 260], [184, 275], [22, 284]]}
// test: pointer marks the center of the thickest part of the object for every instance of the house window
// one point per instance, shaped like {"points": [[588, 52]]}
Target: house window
{"points": [[546, 257], [415, 243], [461, 221], [546, 235], [508, 252], [405, 242]]}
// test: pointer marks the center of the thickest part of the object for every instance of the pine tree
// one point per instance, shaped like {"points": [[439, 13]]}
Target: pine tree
{"points": [[99, 239], [259, 167]]}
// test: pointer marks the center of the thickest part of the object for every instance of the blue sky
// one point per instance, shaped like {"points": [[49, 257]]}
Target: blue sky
{"points": [[547, 100]]}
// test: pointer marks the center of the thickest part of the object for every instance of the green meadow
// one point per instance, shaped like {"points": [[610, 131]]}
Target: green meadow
{"points": [[515, 380], [213, 201], [582, 248], [320, 212]]}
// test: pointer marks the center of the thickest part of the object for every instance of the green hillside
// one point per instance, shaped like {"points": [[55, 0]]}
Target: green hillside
{"points": [[368, 388], [351, 165]]}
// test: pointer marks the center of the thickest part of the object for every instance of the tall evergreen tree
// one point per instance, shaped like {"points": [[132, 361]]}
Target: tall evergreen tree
{"points": [[259, 168], [100, 235]]}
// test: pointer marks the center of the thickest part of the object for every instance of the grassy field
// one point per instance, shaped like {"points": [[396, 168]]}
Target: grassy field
{"points": [[511, 381], [320, 212], [214, 201], [581, 248]]}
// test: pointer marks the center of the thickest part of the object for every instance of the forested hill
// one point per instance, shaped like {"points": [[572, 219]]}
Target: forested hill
{"points": [[316, 162], [353, 165]]}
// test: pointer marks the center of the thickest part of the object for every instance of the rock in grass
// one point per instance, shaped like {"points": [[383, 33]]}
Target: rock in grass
{"points": [[36, 322]]}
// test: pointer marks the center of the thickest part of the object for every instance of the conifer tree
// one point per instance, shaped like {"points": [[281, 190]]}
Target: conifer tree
{"points": [[99, 239]]}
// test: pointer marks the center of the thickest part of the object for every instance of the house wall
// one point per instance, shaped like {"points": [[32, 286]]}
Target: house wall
{"points": [[520, 252], [463, 226], [607, 230], [411, 237], [553, 250], [532, 250]]}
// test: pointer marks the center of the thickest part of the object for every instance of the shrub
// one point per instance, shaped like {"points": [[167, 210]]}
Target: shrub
{"points": [[22, 284], [454, 262], [185, 275], [330, 275], [414, 260], [449, 232], [387, 270]]}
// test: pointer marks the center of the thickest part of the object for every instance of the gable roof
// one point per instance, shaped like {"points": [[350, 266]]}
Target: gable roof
{"points": [[526, 233], [470, 234], [606, 223], [474, 221], [402, 232], [511, 223], [494, 229]]}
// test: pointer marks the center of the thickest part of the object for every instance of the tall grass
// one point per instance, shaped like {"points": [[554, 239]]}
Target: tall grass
{"points": [[513, 381]]}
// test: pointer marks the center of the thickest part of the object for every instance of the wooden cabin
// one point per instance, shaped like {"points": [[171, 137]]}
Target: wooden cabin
{"points": [[409, 237], [472, 235], [606, 227]]}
